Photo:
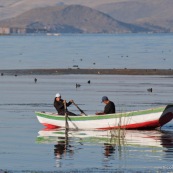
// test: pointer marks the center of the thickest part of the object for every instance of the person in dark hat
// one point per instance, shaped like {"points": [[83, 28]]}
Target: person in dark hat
{"points": [[109, 106]]}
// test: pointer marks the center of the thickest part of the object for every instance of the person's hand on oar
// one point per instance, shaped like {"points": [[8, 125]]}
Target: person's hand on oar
{"points": [[79, 108]]}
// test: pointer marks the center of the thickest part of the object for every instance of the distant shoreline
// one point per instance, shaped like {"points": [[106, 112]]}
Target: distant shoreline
{"points": [[87, 71]]}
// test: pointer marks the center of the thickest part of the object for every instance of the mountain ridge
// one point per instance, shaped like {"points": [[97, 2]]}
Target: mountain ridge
{"points": [[13, 8], [146, 13], [70, 18], [151, 16]]}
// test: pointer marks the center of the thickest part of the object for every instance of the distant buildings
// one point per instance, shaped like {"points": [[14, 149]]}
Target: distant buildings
{"points": [[4, 31], [15, 30], [8, 30]]}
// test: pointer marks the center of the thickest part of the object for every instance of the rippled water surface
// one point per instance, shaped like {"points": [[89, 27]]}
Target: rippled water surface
{"points": [[26, 146], [87, 51]]}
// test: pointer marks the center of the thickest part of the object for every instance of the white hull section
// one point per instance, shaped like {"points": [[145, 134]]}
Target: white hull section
{"points": [[102, 123]]}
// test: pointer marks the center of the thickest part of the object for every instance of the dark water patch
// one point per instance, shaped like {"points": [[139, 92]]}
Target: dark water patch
{"points": [[122, 91], [28, 104], [25, 107], [151, 104], [97, 170], [118, 170]]}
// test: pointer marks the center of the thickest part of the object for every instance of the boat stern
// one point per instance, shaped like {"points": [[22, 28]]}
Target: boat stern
{"points": [[166, 116]]}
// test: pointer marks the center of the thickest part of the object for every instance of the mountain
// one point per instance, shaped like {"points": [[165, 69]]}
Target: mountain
{"points": [[155, 14], [13, 8], [69, 18]]}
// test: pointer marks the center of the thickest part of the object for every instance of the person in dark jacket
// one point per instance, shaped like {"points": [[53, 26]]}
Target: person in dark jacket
{"points": [[59, 105], [109, 106]]}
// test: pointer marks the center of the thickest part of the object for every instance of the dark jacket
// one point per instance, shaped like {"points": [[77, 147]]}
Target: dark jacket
{"points": [[59, 106], [110, 108]]}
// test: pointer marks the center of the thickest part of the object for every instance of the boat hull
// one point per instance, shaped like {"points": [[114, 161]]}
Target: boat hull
{"points": [[145, 119]]}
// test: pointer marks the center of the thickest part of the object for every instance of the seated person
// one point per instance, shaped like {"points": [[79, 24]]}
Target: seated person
{"points": [[109, 106]]}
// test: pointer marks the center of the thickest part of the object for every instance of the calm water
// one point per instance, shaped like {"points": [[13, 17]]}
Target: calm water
{"points": [[25, 146], [87, 51]]}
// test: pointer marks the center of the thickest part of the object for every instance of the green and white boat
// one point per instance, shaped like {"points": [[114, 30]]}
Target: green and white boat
{"points": [[143, 119]]}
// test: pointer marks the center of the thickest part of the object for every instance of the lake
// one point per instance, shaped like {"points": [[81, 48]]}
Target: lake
{"points": [[87, 51], [27, 147]]}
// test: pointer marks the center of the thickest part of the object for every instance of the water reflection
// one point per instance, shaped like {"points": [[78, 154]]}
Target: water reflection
{"points": [[167, 139], [167, 144], [109, 149], [117, 148], [62, 148]]}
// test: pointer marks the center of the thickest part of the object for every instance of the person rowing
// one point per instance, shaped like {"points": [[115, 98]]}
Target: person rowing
{"points": [[59, 105]]}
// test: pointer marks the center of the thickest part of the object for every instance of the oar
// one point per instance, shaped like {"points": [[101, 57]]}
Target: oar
{"points": [[76, 127], [79, 109], [66, 115], [66, 138]]}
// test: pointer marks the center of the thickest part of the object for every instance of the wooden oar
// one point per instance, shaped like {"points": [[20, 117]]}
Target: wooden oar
{"points": [[79, 109], [66, 115], [66, 138], [76, 127]]}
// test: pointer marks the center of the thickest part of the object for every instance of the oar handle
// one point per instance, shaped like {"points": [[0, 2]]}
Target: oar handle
{"points": [[79, 108]]}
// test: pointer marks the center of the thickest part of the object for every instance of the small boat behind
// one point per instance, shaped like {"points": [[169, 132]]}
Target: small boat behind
{"points": [[53, 34], [143, 119]]}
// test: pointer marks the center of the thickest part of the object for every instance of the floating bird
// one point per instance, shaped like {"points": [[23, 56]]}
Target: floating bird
{"points": [[2, 74], [89, 82], [35, 80], [77, 85], [150, 90], [15, 75]]}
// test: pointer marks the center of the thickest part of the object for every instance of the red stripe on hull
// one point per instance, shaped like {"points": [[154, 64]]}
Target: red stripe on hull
{"points": [[144, 125], [50, 126]]}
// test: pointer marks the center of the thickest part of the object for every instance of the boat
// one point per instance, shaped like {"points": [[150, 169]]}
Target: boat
{"points": [[142, 119], [53, 34]]}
